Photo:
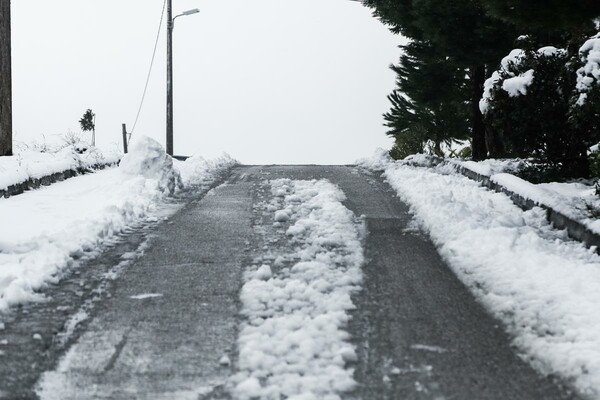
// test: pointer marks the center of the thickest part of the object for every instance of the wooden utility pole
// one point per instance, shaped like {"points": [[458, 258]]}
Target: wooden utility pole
{"points": [[125, 138], [169, 78], [5, 81]]}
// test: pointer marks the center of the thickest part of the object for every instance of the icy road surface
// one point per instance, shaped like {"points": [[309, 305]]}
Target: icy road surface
{"points": [[398, 323]]}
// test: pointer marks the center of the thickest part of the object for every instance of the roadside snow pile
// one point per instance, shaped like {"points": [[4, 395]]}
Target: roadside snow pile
{"points": [[545, 288], [579, 195], [47, 229], [198, 171], [381, 159], [293, 344], [27, 164], [574, 200], [148, 159], [574, 203], [378, 162], [491, 166]]}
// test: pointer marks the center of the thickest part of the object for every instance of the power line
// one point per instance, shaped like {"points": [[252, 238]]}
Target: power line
{"points": [[150, 70]]}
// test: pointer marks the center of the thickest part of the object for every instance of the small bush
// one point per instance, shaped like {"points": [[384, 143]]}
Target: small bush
{"points": [[410, 142], [533, 103]]}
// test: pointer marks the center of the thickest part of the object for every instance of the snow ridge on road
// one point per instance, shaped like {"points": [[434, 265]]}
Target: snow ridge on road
{"points": [[293, 344], [543, 286]]}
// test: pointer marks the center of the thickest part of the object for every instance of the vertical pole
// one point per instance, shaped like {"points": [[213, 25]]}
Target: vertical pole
{"points": [[5, 80], [169, 77], [125, 138]]}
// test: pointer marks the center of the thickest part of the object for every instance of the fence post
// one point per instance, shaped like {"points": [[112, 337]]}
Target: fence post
{"points": [[125, 138]]}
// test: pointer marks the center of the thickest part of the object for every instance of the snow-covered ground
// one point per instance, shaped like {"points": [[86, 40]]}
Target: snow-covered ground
{"points": [[45, 230], [544, 287], [576, 200], [293, 344], [26, 164], [491, 166]]}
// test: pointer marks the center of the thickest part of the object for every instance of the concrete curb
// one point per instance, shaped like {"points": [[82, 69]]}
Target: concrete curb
{"points": [[35, 183], [575, 229]]}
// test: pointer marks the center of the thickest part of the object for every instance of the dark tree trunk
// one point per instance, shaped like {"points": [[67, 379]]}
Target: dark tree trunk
{"points": [[577, 164], [477, 125], [5, 81], [494, 142]]}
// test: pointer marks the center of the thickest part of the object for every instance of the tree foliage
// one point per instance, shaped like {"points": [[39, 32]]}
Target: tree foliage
{"points": [[546, 14], [424, 107], [461, 29], [554, 119], [87, 121], [463, 35], [457, 44], [533, 123]]}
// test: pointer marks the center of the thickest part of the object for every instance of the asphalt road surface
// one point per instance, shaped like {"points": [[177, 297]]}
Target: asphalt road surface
{"points": [[166, 326]]}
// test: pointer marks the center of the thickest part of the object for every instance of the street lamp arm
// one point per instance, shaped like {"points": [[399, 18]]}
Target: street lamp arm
{"points": [[183, 14]]}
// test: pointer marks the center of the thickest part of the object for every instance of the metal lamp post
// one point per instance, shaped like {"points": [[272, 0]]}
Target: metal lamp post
{"points": [[170, 26]]}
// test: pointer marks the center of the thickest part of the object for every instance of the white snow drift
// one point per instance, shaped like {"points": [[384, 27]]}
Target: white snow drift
{"points": [[44, 230], [293, 344], [545, 288], [572, 199], [26, 164]]}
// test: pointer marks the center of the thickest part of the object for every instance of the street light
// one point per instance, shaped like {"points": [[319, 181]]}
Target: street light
{"points": [[170, 26], [188, 12]]}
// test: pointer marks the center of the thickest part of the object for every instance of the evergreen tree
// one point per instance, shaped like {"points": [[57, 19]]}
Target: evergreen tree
{"points": [[545, 14], [425, 107], [463, 33], [397, 15], [88, 124]]}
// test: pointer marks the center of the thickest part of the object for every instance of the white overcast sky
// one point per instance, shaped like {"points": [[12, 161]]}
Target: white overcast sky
{"points": [[267, 81]]}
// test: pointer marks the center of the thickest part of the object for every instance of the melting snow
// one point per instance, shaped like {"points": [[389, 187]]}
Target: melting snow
{"points": [[146, 296], [293, 344], [424, 347]]}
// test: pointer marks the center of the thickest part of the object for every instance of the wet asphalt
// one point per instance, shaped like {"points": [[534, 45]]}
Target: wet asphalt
{"points": [[166, 326]]}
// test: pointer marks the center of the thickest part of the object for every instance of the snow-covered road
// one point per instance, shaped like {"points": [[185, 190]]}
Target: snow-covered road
{"points": [[340, 295], [44, 231], [544, 287]]}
